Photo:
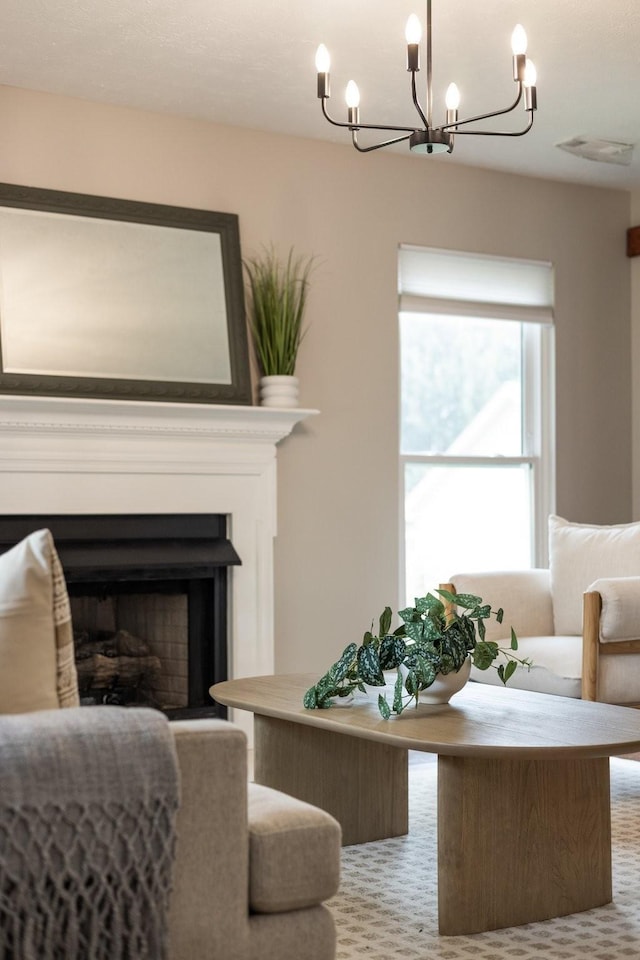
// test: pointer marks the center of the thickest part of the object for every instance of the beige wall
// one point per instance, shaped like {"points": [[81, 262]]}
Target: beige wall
{"points": [[336, 553]]}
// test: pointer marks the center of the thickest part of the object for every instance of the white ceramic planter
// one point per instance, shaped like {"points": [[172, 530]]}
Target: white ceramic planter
{"points": [[441, 690], [445, 686], [279, 391]]}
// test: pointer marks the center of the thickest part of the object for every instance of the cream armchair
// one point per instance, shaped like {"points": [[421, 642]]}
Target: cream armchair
{"points": [[579, 620]]}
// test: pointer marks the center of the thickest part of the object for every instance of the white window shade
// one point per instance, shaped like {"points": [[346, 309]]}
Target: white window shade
{"points": [[460, 284]]}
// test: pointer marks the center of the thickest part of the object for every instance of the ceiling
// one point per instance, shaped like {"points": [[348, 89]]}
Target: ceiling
{"points": [[250, 63]]}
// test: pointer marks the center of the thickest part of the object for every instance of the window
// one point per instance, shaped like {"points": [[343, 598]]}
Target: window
{"points": [[476, 354]]}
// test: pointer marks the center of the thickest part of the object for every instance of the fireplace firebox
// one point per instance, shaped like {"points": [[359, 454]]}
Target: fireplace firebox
{"points": [[149, 604]]}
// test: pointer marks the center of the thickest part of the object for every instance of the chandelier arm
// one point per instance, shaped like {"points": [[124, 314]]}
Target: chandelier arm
{"points": [[498, 133], [416, 102], [376, 146], [484, 116], [365, 126]]}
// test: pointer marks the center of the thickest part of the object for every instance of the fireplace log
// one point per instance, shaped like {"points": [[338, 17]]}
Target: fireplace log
{"points": [[100, 671], [87, 649], [130, 646]]}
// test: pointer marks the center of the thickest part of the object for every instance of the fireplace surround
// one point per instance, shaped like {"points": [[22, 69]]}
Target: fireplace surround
{"points": [[73, 456]]}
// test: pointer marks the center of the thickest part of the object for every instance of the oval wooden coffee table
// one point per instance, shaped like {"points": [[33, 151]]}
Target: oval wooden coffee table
{"points": [[524, 822]]}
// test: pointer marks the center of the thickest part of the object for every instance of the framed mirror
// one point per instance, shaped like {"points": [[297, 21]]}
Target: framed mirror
{"points": [[109, 298]]}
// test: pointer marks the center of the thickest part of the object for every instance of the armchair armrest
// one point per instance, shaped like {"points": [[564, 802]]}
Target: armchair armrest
{"points": [[611, 625], [209, 905], [620, 615]]}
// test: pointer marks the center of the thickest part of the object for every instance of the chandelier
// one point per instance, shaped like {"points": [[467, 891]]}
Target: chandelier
{"points": [[427, 138]]}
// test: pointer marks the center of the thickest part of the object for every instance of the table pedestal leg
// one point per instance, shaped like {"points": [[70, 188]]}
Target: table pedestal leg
{"points": [[521, 840], [362, 783]]}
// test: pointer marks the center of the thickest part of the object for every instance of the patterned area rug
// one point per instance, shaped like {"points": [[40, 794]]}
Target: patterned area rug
{"points": [[387, 904]]}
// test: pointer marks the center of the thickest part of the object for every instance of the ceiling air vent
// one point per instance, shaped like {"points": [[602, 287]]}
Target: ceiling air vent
{"points": [[602, 151]]}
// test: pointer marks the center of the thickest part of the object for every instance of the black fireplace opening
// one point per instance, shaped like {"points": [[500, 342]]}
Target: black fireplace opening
{"points": [[148, 598]]}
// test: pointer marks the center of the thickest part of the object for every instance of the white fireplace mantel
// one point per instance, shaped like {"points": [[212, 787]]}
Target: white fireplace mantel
{"points": [[81, 456], [42, 415]]}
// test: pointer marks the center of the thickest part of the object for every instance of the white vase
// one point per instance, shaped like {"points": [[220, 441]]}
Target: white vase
{"points": [[446, 685], [279, 391]]}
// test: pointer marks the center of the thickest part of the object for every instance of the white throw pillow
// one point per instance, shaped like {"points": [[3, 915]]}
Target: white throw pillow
{"points": [[37, 669], [580, 553]]}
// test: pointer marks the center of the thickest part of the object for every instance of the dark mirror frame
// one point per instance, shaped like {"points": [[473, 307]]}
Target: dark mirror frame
{"points": [[107, 387]]}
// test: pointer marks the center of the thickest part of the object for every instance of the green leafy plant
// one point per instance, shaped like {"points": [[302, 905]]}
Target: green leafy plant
{"points": [[277, 294], [434, 638]]}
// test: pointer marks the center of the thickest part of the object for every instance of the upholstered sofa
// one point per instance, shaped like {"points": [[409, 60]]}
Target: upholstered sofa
{"points": [[578, 621], [252, 866]]}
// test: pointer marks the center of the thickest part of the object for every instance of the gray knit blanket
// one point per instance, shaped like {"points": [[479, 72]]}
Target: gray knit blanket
{"points": [[88, 800]]}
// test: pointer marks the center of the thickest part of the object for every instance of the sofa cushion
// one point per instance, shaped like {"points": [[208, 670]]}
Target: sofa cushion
{"points": [[580, 553], [557, 666], [37, 668], [294, 852]]}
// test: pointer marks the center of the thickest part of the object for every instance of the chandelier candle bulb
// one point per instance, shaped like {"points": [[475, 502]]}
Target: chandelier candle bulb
{"points": [[352, 97], [323, 59], [413, 33], [530, 92], [452, 102], [413, 30], [452, 98], [519, 40], [530, 74], [519, 48], [323, 65]]}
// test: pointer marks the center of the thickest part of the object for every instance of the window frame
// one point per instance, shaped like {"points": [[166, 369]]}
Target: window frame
{"points": [[538, 413]]}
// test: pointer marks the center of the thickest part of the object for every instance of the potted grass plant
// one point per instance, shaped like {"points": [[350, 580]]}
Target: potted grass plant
{"points": [[277, 296], [431, 653]]}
